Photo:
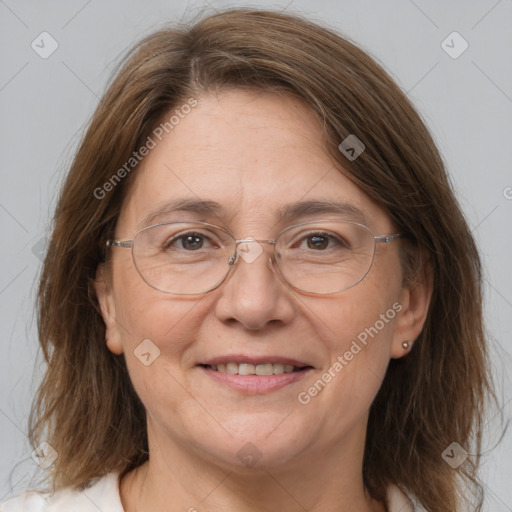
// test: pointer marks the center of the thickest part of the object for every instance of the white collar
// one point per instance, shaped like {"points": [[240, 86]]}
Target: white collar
{"points": [[399, 501]]}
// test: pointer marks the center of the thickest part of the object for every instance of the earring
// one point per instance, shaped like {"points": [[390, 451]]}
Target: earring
{"points": [[405, 344]]}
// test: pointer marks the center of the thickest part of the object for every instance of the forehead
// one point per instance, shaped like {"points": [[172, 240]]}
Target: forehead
{"points": [[252, 156]]}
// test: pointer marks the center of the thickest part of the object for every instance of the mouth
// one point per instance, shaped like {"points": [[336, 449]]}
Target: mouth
{"points": [[255, 375], [235, 368]]}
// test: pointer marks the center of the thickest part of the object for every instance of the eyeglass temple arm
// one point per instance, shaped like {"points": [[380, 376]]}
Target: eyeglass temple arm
{"points": [[388, 238], [119, 243]]}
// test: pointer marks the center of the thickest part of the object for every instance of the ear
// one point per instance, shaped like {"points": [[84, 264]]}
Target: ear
{"points": [[415, 300], [107, 306]]}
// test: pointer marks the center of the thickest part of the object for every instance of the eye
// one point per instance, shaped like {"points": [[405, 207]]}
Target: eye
{"points": [[323, 241], [317, 242], [188, 241]]}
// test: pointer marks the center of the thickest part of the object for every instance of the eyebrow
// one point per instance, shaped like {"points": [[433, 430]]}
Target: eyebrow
{"points": [[197, 206], [287, 213]]}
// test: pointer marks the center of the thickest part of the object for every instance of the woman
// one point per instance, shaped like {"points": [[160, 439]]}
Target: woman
{"points": [[260, 292]]}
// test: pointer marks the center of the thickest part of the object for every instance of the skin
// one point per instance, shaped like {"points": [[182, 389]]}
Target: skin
{"points": [[252, 153]]}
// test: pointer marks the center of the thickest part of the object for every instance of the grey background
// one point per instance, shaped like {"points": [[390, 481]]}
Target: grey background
{"points": [[45, 104]]}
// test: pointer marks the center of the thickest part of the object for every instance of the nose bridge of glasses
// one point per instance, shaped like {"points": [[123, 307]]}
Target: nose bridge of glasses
{"points": [[249, 249], [251, 239]]}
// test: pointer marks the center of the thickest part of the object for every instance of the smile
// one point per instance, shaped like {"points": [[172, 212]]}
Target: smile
{"points": [[252, 369], [254, 379]]}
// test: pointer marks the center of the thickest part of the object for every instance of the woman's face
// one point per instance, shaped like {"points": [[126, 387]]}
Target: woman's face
{"points": [[253, 154]]}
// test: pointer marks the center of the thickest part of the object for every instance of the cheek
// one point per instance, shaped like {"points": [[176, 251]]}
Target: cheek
{"points": [[362, 314], [358, 343], [143, 312], [158, 341], [154, 327], [357, 329]]}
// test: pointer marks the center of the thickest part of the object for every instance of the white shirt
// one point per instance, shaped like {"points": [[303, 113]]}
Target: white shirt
{"points": [[103, 494]]}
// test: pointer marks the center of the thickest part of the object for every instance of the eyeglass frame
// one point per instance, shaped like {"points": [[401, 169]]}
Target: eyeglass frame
{"points": [[129, 244]]}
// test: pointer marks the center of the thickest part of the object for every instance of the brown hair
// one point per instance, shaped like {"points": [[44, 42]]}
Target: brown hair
{"points": [[86, 407]]}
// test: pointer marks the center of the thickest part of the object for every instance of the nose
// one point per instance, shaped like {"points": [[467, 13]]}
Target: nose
{"points": [[253, 294]]}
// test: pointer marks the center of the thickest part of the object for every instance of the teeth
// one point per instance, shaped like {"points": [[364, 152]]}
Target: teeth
{"points": [[265, 369], [253, 369], [278, 368], [246, 369], [232, 368]]}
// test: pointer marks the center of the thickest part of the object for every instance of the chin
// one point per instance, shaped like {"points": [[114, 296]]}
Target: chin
{"points": [[265, 449]]}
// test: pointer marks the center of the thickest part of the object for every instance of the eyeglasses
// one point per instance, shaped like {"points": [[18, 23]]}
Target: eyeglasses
{"points": [[189, 258]]}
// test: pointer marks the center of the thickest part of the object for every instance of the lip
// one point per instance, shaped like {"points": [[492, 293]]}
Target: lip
{"points": [[241, 358], [255, 384]]}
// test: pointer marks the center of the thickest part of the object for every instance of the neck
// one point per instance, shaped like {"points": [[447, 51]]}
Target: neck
{"points": [[177, 479], [141, 492]]}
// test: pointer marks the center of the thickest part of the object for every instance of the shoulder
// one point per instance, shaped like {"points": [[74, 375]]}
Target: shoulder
{"points": [[102, 494]]}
